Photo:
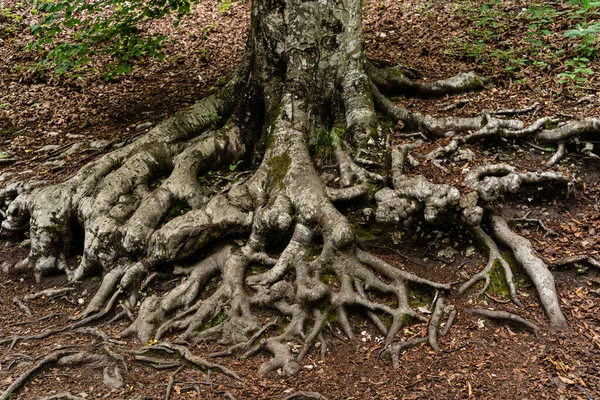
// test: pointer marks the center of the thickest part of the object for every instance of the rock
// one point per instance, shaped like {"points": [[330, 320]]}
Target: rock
{"points": [[448, 253], [368, 213], [465, 155], [396, 237], [470, 251], [327, 178]]}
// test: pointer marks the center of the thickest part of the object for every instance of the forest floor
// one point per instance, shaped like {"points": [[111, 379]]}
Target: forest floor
{"points": [[529, 59]]}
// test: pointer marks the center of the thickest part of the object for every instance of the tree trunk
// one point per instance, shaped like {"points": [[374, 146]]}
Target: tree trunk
{"points": [[304, 78]]}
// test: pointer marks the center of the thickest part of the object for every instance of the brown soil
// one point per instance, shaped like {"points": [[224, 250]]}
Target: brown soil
{"points": [[479, 359]]}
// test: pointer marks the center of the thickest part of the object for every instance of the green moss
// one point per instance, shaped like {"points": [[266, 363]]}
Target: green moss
{"points": [[498, 285], [371, 232], [407, 319], [416, 296], [278, 168], [257, 269]]}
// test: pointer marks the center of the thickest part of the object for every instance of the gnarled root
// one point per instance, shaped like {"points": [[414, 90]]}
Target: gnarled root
{"points": [[69, 358], [534, 267], [503, 315], [393, 350], [494, 258]]}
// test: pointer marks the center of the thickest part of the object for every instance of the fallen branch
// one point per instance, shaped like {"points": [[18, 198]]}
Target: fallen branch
{"points": [[580, 258]]}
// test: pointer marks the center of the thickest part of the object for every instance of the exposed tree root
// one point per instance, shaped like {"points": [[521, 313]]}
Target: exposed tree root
{"points": [[534, 267], [506, 316], [187, 356], [580, 258], [393, 350], [22, 306], [305, 396], [64, 358], [172, 382], [275, 237], [48, 293], [62, 396], [494, 259]]}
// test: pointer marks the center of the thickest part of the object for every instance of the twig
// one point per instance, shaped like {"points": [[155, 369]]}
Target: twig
{"points": [[48, 293], [536, 221], [453, 106], [580, 258], [172, 382], [22, 306], [535, 146], [62, 396], [306, 396], [513, 111]]}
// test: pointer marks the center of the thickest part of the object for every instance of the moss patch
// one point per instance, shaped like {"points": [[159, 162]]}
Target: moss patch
{"points": [[278, 168]]}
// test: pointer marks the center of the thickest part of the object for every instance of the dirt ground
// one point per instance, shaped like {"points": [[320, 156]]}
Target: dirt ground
{"points": [[478, 359]]}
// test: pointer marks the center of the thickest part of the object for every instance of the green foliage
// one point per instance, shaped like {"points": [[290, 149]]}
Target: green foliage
{"points": [[224, 5], [73, 31], [588, 38], [233, 167], [489, 44], [578, 71]]}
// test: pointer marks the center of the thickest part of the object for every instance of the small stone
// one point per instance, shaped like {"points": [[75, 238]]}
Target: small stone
{"points": [[448, 253], [465, 155], [52, 133], [80, 301], [74, 136], [396, 237], [368, 213], [371, 142], [470, 251], [25, 243]]}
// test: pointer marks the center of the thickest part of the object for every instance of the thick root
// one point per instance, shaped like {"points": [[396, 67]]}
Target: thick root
{"points": [[494, 258]]}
